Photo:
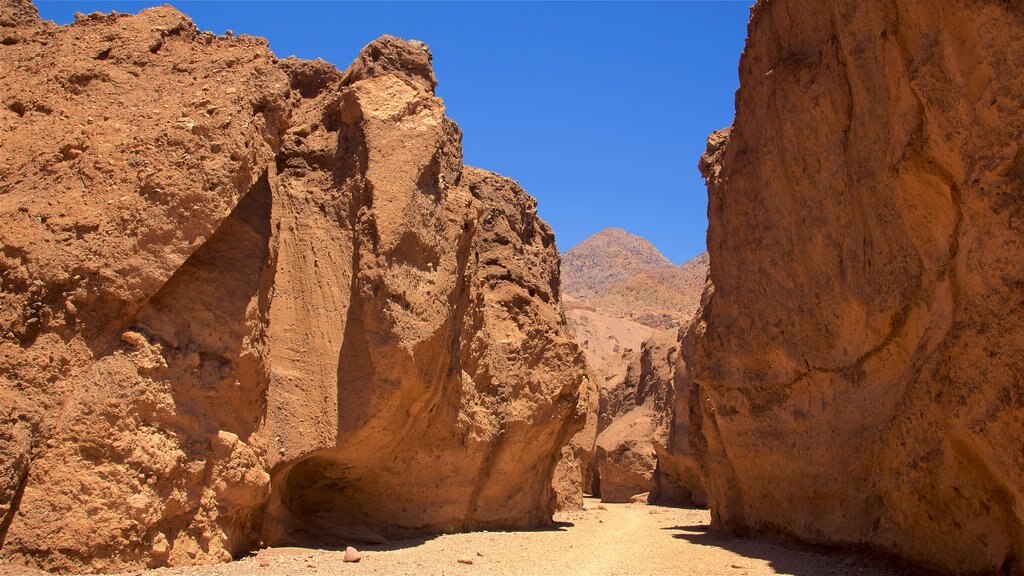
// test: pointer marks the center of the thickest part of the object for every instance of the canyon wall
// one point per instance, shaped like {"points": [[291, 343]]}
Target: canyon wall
{"points": [[253, 301], [619, 290], [635, 424], [857, 362]]}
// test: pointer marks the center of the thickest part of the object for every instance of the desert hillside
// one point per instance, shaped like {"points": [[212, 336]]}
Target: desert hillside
{"points": [[605, 258], [624, 276]]}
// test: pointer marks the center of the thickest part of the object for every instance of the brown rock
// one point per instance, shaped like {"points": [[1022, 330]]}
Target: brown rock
{"points": [[633, 453], [352, 555], [572, 478], [857, 362], [632, 449], [281, 336], [623, 276], [609, 345]]}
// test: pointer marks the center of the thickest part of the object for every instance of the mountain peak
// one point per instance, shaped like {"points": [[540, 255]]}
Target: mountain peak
{"points": [[608, 257]]}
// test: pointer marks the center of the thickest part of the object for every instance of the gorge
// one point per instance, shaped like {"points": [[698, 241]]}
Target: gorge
{"points": [[254, 310]]}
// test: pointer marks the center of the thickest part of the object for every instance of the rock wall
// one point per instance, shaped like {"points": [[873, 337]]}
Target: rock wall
{"points": [[857, 363], [640, 417], [635, 416], [637, 450], [247, 301], [573, 474]]}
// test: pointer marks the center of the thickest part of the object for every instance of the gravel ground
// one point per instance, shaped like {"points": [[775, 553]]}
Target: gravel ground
{"points": [[604, 539]]}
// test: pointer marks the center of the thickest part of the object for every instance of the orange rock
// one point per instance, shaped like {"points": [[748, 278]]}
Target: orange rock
{"points": [[352, 555], [857, 362], [337, 330]]}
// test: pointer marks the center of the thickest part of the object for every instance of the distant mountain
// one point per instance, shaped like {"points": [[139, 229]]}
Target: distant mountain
{"points": [[663, 298], [608, 257], [624, 276]]}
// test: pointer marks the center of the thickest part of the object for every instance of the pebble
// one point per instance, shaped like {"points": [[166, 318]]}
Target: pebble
{"points": [[465, 560], [352, 555]]}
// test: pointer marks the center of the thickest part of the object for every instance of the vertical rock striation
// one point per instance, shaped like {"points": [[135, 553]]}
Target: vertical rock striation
{"points": [[251, 301], [856, 364]]}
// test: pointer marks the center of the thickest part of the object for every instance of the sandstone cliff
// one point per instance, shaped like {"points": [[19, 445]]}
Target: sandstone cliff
{"points": [[857, 363], [251, 301]]}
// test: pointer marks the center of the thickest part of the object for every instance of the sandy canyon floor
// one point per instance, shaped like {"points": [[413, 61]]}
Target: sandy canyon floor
{"points": [[604, 539]]}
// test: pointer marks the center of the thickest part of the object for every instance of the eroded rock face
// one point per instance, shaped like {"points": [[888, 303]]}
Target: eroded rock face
{"points": [[635, 453], [573, 473], [857, 363], [246, 300], [637, 449]]}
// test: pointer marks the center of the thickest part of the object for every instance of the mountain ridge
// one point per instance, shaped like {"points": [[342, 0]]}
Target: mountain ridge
{"points": [[623, 275]]}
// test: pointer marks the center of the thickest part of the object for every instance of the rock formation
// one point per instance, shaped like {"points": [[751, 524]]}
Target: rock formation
{"points": [[634, 416], [635, 364], [857, 364], [612, 348], [251, 301], [572, 479]]}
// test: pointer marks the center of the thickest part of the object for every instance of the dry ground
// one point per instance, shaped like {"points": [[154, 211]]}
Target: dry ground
{"points": [[605, 539]]}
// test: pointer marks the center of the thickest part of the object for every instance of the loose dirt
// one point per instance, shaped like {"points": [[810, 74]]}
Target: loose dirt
{"points": [[604, 539]]}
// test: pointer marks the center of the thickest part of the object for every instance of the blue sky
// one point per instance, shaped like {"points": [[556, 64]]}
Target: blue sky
{"points": [[600, 110]]}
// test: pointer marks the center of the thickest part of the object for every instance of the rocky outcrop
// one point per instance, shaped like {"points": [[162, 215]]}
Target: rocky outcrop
{"points": [[857, 362], [247, 301]]}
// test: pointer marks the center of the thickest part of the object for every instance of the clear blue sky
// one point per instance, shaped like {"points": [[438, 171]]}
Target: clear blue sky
{"points": [[600, 110]]}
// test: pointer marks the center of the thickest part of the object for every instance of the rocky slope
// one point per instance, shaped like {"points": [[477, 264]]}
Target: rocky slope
{"points": [[857, 362], [605, 258], [623, 276], [247, 301], [635, 365], [662, 299]]}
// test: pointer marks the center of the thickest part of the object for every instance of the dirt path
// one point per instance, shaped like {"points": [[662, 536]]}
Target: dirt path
{"points": [[605, 539]]}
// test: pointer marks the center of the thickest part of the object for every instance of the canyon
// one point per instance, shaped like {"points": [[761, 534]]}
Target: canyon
{"points": [[625, 303], [254, 310]]}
